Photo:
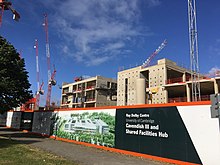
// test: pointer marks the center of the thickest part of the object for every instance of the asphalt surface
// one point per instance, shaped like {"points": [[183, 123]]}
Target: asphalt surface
{"points": [[80, 154]]}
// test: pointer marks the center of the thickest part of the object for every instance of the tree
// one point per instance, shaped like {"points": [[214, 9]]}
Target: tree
{"points": [[14, 84]]}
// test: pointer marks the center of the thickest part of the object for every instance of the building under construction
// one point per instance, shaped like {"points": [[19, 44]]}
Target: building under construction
{"points": [[164, 82], [91, 92]]}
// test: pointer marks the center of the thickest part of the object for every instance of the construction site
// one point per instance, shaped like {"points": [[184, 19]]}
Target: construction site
{"points": [[164, 82], [163, 111]]}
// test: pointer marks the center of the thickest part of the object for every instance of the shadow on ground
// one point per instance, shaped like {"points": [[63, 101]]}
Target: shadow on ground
{"points": [[12, 137]]}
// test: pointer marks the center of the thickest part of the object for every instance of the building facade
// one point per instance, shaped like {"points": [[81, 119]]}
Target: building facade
{"points": [[164, 82], [91, 92]]}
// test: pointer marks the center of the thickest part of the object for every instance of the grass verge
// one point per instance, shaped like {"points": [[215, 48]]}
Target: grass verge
{"points": [[12, 152]]}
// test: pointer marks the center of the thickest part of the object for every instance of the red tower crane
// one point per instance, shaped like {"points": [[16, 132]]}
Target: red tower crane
{"points": [[51, 78], [39, 87], [147, 62], [5, 5]]}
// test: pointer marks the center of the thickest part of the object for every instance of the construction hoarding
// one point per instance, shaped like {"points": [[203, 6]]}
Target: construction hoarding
{"points": [[159, 132], [13, 119], [43, 122], [172, 132], [3, 119], [90, 126], [185, 133]]}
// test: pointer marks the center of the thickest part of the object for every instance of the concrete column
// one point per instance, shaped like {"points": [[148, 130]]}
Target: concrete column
{"points": [[184, 77], [166, 96], [86, 85], [216, 87], [140, 91], [165, 74], [70, 97], [188, 93]]}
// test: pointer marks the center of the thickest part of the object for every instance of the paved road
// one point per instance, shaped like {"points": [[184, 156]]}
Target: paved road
{"points": [[78, 153]]}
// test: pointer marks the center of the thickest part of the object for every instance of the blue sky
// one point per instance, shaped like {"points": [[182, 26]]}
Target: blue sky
{"points": [[96, 37]]}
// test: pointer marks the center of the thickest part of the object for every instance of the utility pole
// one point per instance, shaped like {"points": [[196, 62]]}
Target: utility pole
{"points": [[193, 41]]}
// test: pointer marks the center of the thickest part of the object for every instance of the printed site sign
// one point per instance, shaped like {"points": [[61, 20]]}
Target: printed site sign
{"points": [[159, 132], [90, 126]]}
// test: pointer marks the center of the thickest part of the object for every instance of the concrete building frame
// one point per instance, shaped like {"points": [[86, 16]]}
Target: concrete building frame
{"points": [[91, 92], [164, 82]]}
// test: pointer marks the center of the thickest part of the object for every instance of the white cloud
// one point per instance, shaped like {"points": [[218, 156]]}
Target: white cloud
{"points": [[214, 71], [97, 60], [114, 46], [153, 3], [215, 49], [65, 49], [96, 31], [86, 76]]}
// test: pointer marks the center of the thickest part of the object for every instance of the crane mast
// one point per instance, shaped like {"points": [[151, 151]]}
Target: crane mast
{"points": [[37, 64], [51, 80], [39, 87], [47, 46], [147, 62], [193, 41]]}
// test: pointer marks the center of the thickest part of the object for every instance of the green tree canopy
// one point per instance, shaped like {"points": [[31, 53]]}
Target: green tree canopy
{"points": [[14, 84]]}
